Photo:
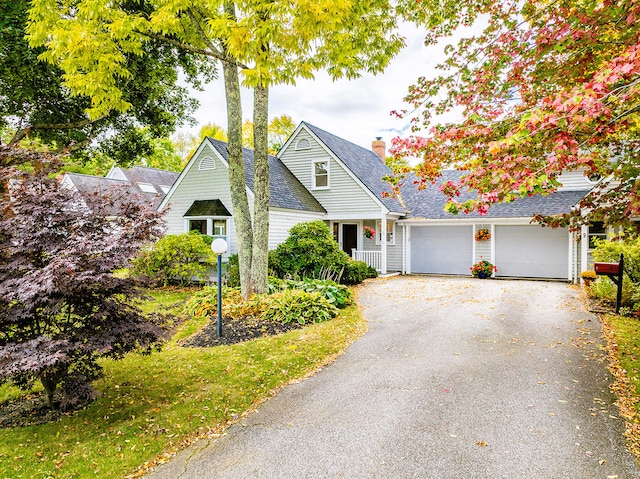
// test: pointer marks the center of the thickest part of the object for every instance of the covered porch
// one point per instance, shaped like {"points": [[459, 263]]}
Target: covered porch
{"points": [[376, 241]]}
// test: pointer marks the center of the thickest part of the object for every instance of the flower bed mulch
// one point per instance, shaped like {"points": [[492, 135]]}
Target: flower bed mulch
{"points": [[28, 410], [237, 331]]}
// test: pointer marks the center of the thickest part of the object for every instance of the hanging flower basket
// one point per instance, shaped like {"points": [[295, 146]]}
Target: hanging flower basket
{"points": [[369, 232], [483, 234]]}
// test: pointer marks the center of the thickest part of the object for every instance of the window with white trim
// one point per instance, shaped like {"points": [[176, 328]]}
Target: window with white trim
{"points": [[597, 230], [219, 229], [303, 144], [216, 227], [391, 232], [320, 174], [207, 163], [199, 226]]}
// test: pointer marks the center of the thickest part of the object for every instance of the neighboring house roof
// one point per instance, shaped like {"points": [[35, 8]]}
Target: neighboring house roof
{"points": [[207, 208], [107, 191], [160, 180], [92, 184], [148, 183], [286, 190], [363, 163], [429, 203]]}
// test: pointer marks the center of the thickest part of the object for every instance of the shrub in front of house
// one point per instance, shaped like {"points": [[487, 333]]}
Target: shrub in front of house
{"points": [[285, 305], [303, 307], [609, 251], [356, 272], [337, 294], [232, 275], [177, 259], [311, 252]]}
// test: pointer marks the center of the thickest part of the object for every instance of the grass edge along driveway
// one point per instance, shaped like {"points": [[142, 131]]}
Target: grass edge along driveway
{"points": [[151, 406]]}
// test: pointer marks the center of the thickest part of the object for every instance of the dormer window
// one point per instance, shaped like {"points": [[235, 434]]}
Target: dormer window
{"points": [[303, 144], [207, 163], [147, 188], [320, 174]]}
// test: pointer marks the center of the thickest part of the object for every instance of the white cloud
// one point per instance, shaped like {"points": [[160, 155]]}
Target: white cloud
{"points": [[356, 110]]}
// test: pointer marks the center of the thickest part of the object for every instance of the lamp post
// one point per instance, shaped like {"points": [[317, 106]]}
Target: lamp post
{"points": [[219, 247]]}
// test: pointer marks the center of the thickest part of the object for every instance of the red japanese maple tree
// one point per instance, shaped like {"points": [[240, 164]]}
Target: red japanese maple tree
{"points": [[61, 306]]}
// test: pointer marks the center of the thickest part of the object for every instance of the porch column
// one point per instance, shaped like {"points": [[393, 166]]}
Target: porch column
{"points": [[383, 244], [584, 248]]}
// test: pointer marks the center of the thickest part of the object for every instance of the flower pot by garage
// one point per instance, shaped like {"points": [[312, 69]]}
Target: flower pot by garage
{"points": [[482, 275]]}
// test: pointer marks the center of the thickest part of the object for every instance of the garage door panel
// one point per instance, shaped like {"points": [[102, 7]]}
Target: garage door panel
{"points": [[441, 249], [531, 251]]}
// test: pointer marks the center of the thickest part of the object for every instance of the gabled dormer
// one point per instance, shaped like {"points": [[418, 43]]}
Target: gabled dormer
{"points": [[344, 177]]}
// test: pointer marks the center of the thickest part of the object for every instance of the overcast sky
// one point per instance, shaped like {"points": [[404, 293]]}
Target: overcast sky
{"points": [[356, 110]]}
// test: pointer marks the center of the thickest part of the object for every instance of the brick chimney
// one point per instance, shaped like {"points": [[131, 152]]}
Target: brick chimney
{"points": [[379, 148]]}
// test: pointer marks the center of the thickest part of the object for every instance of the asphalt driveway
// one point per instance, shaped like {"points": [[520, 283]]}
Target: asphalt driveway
{"points": [[456, 378]]}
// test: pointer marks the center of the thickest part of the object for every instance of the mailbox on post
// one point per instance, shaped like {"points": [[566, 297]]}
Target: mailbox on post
{"points": [[614, 271]]}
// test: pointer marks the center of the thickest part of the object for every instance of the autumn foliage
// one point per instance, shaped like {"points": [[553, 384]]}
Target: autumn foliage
{"points": [[61, 306], [546, 87]]}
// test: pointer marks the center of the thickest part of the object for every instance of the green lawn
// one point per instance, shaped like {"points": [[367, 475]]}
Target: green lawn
{"points": [[152, 405], [623, 339]]}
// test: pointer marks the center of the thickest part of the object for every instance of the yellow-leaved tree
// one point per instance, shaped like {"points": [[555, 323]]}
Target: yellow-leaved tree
{"points": [[261, 42]]}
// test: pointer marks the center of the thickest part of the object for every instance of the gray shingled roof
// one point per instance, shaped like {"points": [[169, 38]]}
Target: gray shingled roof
{"points": [[363, 163], [154, 176], [109, 190], [88, 184], [93, 184], [429, 203], [286, 189]]}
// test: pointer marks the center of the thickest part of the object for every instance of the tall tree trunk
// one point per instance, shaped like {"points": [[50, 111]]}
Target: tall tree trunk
{"points": [[49, 383], [239, 200], [259, 264]]}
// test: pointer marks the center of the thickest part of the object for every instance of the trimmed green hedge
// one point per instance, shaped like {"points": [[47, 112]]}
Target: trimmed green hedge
{"points": [[311, 252]]}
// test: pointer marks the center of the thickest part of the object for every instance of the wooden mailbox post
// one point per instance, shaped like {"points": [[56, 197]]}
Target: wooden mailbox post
{"points": [[614, 271]]}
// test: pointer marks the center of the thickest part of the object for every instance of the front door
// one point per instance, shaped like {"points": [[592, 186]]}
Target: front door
{"points": [[349, 238]]}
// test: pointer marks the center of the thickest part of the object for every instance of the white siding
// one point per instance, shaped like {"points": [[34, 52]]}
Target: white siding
{"points": [[281, 221], [574, 180], [369, 244], [394, 253], [345, 196], [482, 248], [200, 185], [196, 184]]}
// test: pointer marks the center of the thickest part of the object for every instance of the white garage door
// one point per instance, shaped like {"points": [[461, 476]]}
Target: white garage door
{"points": [[532, 251], [441, 249]]}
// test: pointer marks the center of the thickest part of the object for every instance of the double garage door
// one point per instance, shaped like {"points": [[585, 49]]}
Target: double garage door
{"points": [[526, 251]]}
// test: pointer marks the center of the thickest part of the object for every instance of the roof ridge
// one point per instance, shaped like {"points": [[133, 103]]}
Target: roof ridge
{"points": [[151, 168], [313, 127], [87, 175]]}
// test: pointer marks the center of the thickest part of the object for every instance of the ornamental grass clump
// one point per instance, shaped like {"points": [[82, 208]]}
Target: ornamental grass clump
{"points": [[483, 269]]}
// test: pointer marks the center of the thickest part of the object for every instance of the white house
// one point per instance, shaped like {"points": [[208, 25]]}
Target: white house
{"points": [[318, 175]]}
